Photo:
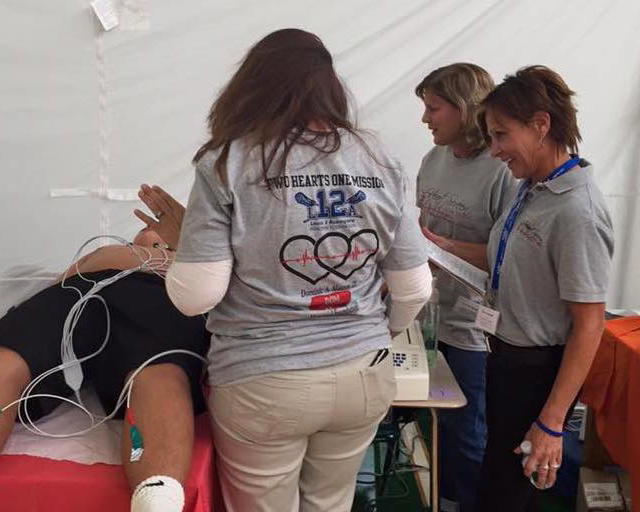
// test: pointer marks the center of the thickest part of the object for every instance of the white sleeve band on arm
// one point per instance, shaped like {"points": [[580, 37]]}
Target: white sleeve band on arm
{"points": [[195, 288], [409, 290]]}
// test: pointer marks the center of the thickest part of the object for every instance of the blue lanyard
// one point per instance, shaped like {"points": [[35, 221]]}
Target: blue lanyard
{"points": [[516, 208]]}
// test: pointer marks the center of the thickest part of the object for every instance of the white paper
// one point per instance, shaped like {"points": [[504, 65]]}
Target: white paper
{"points": [[101, 445], [106, 13], [465, 272], [466, 306]]}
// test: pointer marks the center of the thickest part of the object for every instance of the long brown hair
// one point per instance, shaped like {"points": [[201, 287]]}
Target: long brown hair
{"points": [[285, 83], [464, 85]]}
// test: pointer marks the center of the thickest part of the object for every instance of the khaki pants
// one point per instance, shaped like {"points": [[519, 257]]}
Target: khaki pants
{"points": [[294, 440]]}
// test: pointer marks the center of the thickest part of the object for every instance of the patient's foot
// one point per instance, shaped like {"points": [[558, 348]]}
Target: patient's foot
{"points": [[158, 494]]}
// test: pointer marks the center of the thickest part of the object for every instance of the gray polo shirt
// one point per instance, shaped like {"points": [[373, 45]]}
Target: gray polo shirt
{"points": [[559, 251], [307, 255], [461, 198]]}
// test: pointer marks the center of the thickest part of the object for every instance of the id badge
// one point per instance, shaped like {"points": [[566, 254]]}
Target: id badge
{"points": [[487, 319]]}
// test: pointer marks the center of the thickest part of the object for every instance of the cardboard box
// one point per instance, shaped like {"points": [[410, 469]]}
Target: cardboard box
{"points": [[595, 454], [625, 489], [598, 491]]}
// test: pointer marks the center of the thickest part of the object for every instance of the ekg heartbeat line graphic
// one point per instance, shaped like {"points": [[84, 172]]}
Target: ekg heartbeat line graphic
{"points": [[306, 257]]}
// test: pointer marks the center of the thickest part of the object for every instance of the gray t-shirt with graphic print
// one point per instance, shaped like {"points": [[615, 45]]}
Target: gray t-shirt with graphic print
{"points": [[308, 254], [461, 198], [559, 250]]}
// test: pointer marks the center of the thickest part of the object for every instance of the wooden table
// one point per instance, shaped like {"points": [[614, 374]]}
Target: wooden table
{"points": [[444, 393]]}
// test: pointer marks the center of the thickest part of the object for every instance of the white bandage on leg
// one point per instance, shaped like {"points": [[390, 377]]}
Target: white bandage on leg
{"points": [[159, 493]]}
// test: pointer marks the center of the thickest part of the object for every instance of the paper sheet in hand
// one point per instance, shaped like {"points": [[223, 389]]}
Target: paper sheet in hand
{"points": [[465, 272]]}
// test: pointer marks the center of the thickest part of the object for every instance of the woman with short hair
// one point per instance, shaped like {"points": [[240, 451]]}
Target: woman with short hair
{"points": [[549, 256]]}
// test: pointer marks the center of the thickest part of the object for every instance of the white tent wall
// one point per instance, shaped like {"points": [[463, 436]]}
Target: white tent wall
{"points": [[88, 115]]}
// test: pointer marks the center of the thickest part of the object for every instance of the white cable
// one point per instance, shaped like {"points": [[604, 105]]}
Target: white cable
{"points": [[66, 347], [122, 398], [73, 372]]}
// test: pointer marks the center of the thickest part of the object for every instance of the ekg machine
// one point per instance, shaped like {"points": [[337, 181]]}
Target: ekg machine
{"points": [[410, 364]]}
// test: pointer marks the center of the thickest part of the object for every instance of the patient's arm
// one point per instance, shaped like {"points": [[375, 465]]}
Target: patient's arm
{"points": [[120, 257]]}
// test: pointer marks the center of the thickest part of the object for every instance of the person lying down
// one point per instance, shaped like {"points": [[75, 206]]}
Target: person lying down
{"points": [[128, 320]]}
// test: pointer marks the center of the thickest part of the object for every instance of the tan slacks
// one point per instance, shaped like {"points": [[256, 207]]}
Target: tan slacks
{"points": [[293, 441]]}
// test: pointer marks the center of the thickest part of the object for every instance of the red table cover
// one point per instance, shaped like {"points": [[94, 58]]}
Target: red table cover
{"points": [[38, 484], [612, 390]]}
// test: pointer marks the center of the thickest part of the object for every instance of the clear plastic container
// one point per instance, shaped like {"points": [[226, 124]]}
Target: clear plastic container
{"points": [[429, 320]]}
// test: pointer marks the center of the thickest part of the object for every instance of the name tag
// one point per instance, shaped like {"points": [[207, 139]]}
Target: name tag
{"points": [[487, 319]]}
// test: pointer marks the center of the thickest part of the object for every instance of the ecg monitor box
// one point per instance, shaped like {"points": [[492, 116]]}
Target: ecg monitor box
{"points": [[410, 365]]}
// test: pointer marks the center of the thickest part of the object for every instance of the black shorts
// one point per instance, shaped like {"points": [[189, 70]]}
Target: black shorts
{"points": [[144, 322]]}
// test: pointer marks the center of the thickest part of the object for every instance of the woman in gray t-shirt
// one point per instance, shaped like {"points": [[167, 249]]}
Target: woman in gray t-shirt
{"points": [[294, 219], [461, 191]]}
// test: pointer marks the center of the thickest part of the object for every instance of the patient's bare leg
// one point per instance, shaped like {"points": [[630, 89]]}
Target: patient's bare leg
{"points": [[161, 403], [14, 377]]}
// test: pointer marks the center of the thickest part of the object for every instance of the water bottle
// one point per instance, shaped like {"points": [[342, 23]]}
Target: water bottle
{"points": [[430, 319]]}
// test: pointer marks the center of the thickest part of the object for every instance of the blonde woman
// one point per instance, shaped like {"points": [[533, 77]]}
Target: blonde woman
{"points": [[461, 192]]}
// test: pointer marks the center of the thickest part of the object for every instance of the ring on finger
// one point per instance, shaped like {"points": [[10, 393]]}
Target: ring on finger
{"points": [[538, 486], [158, 215]]}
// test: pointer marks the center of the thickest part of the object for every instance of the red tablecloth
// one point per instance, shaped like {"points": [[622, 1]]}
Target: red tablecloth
{"points": [[37, 484], [612, 390]]}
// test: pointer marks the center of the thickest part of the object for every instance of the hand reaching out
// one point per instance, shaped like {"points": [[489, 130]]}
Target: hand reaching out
{"points": [[442, 242], [168, 212]]}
